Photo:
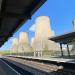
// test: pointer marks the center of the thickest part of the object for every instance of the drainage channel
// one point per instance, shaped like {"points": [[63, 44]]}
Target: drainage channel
{"points": [[17, 68]]}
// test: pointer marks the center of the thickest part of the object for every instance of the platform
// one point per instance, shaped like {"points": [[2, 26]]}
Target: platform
{"points": [[56, 59]]}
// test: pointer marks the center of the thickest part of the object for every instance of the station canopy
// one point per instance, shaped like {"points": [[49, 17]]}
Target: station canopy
{"points": [[13, 13], [65, 38]]}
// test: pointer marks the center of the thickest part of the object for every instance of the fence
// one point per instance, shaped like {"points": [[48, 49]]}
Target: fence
{"points": [[50, 53]]}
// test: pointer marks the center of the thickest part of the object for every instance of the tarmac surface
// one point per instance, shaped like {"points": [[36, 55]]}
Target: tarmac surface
{"points": [[5, 69]]}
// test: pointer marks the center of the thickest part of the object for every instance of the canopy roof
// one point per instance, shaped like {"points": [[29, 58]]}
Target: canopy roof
{"points": [[13, 13], [65, 38]]}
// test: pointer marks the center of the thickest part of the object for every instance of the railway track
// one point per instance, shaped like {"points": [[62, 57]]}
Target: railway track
{"points": [[52, 68], [17, 69], [5, 69]]}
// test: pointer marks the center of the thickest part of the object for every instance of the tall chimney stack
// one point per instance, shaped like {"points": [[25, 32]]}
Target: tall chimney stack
{"points": [[74, 25]]}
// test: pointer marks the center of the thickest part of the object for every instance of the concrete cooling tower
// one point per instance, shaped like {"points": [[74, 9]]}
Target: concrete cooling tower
{"points": [[15, 45], [42, 32], [73, 43], [23, 38], [24, 45], [43, 29], [53, 45], [73, 25]]}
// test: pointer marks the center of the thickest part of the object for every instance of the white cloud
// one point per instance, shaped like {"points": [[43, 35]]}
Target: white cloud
{"points": [[32, 28]]}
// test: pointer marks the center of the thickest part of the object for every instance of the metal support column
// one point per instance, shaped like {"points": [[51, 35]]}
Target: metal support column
{"points": [[61, 49], [68, 50]]}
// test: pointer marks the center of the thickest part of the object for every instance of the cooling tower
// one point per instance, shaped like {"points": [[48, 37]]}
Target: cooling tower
{"points": [[73, 43], [74, 25], [15, 41], [23, 38], [53, 45], [42, 32], [43, 29], [15, 45], [24, 45]]}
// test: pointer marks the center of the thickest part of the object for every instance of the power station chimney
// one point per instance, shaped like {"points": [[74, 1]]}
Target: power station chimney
{"points": [[74, 25], [23, 38], [15, 45]]}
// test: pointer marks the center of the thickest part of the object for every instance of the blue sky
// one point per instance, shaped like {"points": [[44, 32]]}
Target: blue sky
{"points": [[61, 13]]}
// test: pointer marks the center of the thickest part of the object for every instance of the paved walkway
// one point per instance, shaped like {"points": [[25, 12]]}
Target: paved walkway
{"points": [[49, 69], [36, 65], [5, 69], [69, 60]]}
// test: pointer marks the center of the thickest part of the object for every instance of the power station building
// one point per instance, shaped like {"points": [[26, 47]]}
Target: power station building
{"points": [[66, 39], [42, 32], [40, 42], [24, 45], [14, 45]]}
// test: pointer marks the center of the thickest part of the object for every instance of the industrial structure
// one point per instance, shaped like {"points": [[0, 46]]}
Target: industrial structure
{"points": [[42, 32], [39, 42], [24, 45], [67, 39], [15, 45]]}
